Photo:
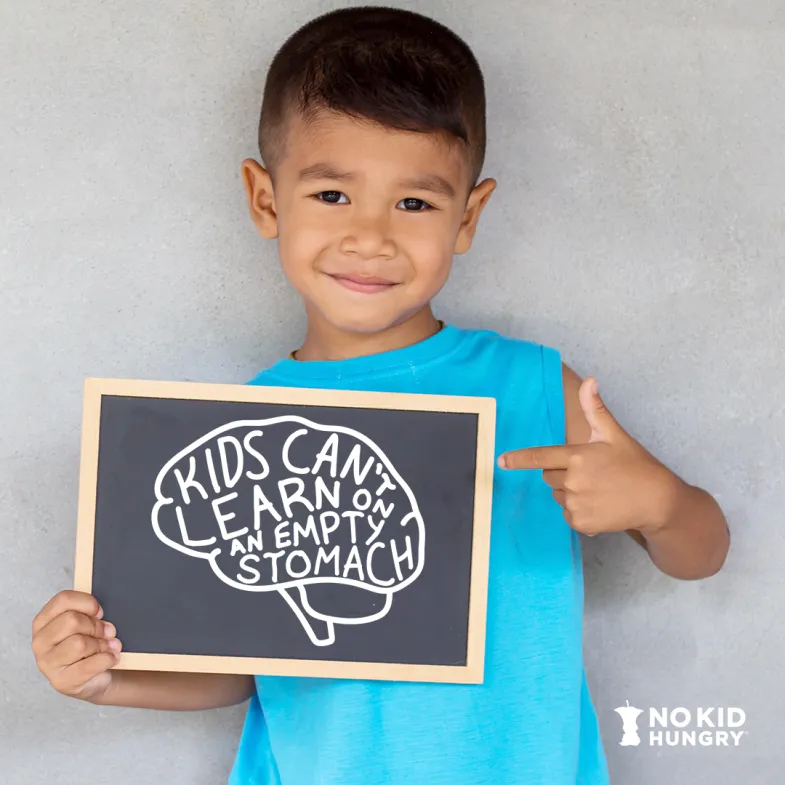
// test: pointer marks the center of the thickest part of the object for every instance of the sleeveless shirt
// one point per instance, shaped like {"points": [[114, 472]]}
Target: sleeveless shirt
{"points": [[532, 721]]}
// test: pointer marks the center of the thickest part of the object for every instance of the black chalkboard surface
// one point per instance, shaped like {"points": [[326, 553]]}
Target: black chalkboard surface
{"points": [[244, 529]]}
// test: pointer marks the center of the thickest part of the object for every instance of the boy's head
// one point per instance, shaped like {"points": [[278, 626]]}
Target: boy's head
{"points": [[372, 134]]}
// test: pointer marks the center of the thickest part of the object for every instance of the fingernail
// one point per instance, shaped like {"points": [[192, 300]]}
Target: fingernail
{"points": [[100, 613], [115, 644], [109, 630], [502, 462]]}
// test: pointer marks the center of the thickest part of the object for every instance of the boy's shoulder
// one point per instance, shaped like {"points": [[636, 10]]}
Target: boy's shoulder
{"points": [[494, 340], [506, 354]]}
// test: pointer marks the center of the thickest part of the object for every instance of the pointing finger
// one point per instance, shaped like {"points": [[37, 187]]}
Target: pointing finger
{"points": [[552, 457]]}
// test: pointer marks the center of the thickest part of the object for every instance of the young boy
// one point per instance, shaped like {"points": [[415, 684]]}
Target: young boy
{"points": [[373, 137]]}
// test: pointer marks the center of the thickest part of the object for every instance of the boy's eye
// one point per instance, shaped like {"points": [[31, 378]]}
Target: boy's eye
{"points": [[331, 197], [411, 205]]}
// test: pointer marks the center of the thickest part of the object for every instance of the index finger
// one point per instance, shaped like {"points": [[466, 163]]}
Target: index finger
{"points": [[550, 457], [67, 600]]}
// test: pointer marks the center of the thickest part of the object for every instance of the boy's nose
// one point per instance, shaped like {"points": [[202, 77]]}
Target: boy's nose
{"points": [[369, 237]]}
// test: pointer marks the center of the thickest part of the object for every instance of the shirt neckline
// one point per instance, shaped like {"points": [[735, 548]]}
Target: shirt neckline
{"points": [[418, 353]]}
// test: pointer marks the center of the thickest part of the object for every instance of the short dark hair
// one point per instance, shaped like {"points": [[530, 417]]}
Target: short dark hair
{"points": [[398, 68]]}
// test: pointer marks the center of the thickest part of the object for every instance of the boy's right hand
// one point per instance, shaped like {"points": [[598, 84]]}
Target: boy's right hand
{"points": [[73, 648]]}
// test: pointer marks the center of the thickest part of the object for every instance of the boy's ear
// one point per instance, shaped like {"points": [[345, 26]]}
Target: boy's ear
{"points": [[478, 198], [261, 202]]}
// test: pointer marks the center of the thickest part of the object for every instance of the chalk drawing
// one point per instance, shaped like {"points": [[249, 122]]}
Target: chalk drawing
{"points": [[339, 513]]}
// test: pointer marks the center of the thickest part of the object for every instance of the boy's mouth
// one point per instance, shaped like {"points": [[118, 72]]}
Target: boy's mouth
{"points": [[363, 283]]}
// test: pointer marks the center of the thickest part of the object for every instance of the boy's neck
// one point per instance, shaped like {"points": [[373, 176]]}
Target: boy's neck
{"points": [[323, 341]]}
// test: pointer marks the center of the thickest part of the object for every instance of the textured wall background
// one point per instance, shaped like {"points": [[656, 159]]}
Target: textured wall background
{"points": [[638, 226]]}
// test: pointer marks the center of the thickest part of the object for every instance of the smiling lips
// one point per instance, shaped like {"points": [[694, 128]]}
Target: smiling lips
{"points": [[363, 283]]}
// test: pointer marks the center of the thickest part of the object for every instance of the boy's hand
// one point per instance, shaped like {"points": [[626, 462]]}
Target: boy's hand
{"points": [[610, 484], [73, 647]]}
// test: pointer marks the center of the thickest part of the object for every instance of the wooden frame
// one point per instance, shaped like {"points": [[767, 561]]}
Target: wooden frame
{"points": [[485, 408]]}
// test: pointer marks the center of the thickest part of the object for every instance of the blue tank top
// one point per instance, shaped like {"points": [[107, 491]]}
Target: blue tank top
{"points": [[532, 721]]}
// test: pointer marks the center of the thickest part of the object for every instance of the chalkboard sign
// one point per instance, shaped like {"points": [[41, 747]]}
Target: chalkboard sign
{"points": [[247, 529]]}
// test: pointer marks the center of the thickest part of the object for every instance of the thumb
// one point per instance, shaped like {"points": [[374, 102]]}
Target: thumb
{"points": [[603, 424]]}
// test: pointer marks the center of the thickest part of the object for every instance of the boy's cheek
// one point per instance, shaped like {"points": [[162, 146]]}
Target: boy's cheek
{"points": [[293, 235], [301, 279], [299, 252], [432, 272]]}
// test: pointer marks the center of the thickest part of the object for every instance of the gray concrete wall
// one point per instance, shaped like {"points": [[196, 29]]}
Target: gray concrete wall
{"points": [[638, 226]]}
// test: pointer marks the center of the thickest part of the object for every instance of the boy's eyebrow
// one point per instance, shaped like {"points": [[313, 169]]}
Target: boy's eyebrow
{"points": [[425, 182]]}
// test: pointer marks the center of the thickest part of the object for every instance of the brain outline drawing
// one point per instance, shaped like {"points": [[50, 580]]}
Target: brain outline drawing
{"points": [[294, 591]]}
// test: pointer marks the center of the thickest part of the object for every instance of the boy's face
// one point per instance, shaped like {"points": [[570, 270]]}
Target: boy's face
{"points": [[367, 219]]}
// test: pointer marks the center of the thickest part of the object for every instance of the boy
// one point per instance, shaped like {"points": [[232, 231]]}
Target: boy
{"points": [[373, 137]]}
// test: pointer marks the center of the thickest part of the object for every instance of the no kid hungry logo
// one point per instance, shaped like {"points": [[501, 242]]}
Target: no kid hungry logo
{"points": [[327, 507], [680, 727]]}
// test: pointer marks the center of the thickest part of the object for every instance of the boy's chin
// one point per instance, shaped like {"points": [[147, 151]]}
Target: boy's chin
{"points": [[370, 326], [365, 323]]}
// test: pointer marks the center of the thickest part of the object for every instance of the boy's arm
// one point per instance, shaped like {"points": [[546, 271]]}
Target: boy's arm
{"points": [[175, 691]]}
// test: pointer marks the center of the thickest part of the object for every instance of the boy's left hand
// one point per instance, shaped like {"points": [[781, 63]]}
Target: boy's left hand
{"points": [[611, 483]]}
